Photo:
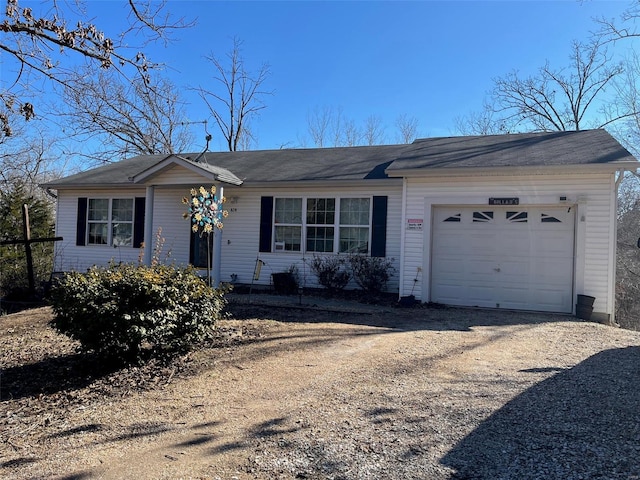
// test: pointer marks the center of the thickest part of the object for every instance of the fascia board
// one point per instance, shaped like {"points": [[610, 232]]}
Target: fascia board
{"points": [[322, 183], [510, 171]]}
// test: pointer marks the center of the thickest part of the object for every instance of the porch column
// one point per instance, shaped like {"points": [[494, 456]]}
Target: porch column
{"points": [[148, 225], [217, 249]]}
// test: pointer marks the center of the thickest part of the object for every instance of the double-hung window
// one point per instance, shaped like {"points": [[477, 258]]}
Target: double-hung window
{"points": [[110, 222], [354, 225], [288, 224], [322, 225]]}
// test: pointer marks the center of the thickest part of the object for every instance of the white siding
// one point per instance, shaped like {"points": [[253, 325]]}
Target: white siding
{"points": [[592, 194], [68, 256], [177, 175], [240, 235], [242, 230]]}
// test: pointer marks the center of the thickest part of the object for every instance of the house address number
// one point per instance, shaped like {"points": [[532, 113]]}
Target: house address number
{"points": [[504, 201]]}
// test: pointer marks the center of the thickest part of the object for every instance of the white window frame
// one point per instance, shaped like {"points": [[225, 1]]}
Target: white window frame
{"points": [[358, 226], [110, 222], [279, 247]]}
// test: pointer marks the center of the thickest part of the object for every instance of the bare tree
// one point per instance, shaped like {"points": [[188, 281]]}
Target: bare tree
{"points": [[143, 117], [318, 123], [330, 127], [407, 128], [626, 28], [26, 156], [569, 98], [40, 44], [559, 99], [240, 97], [351, 134], [484, 122], [627, 100], [373, 132]]}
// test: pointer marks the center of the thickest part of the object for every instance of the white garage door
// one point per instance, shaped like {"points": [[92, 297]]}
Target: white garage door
{"points": [[515, 257]]}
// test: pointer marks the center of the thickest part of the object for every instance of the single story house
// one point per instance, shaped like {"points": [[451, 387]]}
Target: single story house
{"points": [[516, 221]]}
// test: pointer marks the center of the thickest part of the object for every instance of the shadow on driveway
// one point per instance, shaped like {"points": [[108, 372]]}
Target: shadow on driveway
{"points": [[583, 422]]}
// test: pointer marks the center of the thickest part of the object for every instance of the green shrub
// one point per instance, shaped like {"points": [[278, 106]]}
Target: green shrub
{"points": [[330, 271], [371, 273], [126, 311]]}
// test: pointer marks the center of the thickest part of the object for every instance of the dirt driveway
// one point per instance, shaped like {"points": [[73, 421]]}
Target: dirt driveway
{"points": [[398, 393]]}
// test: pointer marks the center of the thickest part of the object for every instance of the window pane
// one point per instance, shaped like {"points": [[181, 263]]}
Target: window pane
{"points": [[288, 210], [320, 239], [354, 211], [290, 237], [321, 211], [122, 210], [98, 234], [354, 240], [122, 234], [98, 209]]}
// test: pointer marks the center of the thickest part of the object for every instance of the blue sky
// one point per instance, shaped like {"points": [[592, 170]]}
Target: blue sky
{"points": [[430, 60]]}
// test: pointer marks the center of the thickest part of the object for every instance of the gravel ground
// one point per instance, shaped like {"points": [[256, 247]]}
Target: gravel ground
{"points": [[329, 392]]}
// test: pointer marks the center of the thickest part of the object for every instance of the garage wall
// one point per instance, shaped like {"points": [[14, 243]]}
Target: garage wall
{"points": [[592, 194]]}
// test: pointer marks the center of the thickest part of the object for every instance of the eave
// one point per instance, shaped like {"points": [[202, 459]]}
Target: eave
{"points": [[210, 172]]}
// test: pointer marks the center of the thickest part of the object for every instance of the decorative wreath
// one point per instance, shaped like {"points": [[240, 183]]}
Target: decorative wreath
{"points": [[205, 209]]}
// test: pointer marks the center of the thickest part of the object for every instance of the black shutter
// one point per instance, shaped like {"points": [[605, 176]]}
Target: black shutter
{"points": [[81, 222], [138, 222], [266, 216], [379, 227]]}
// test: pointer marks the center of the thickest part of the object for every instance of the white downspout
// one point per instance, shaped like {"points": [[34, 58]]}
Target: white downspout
{"points": [[402, 237], [615, 245], [148, 224]]}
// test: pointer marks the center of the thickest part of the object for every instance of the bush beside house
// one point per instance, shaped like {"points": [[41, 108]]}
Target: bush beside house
{"points": [[127, 312]]}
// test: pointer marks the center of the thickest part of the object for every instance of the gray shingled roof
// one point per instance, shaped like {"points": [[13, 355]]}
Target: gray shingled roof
{"points": [[357, 163], [515, 150]]}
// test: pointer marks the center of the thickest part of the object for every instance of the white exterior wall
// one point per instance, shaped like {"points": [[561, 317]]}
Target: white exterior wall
{"points": [[592, 194], [68, 256], [240, 236]]}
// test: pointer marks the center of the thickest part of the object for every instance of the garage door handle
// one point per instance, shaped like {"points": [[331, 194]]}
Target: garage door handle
{"points": [[496, 270]]}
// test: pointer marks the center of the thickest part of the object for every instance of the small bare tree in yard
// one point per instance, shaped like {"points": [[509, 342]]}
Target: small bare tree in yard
{"points": [[41, 40], [240, 98]]}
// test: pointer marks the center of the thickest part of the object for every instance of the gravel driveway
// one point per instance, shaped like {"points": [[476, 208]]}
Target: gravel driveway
{"points": [[390, 393]]}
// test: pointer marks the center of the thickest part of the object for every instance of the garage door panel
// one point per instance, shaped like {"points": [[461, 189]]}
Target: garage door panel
{"points": [[450, 240], [505, 258], [549, 299], [480, 296]]}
